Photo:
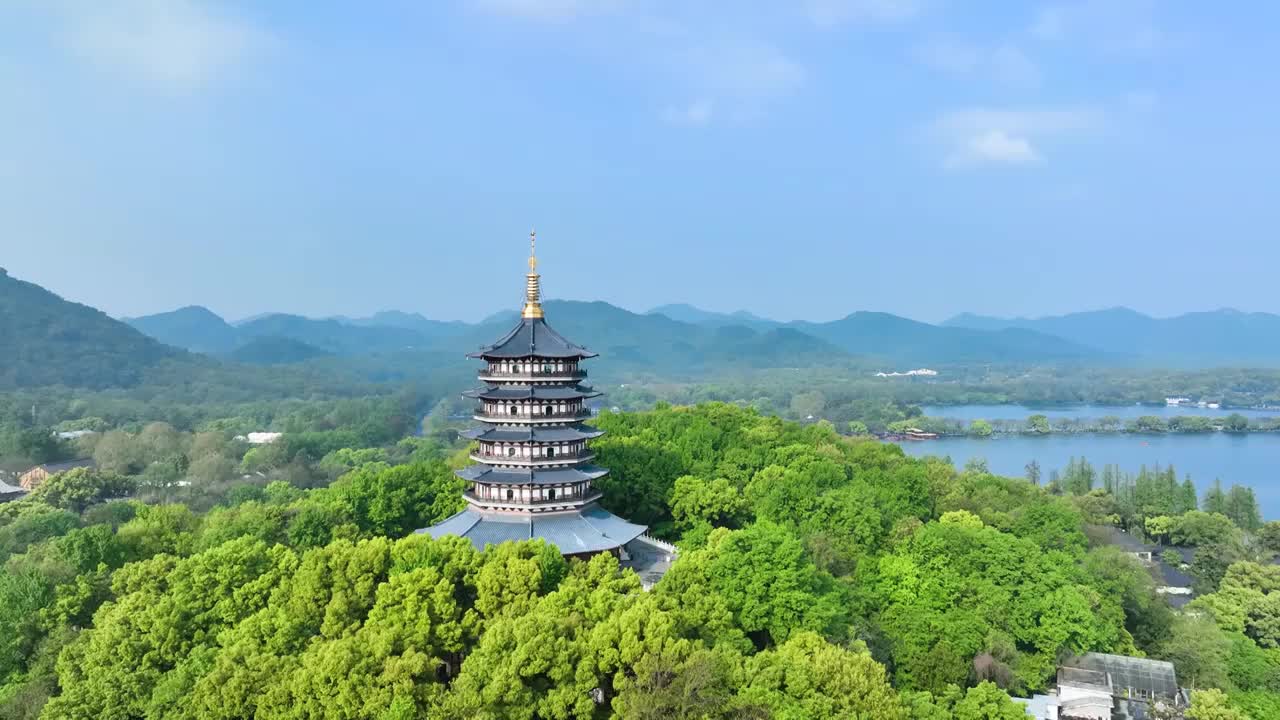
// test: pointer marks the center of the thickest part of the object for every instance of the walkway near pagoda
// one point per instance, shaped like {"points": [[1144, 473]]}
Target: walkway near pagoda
{"points": [[650, 558]]}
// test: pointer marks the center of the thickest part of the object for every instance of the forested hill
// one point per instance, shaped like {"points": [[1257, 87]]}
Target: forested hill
{"points": [[49, 341], [195, 328], [1201, 338], [55, 352]]}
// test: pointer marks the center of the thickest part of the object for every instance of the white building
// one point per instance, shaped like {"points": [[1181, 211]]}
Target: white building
{"points": [[260, 438], [920, 372]]}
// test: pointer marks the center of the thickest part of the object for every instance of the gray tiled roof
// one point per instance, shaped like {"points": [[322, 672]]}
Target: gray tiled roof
{"points": [[535, 392], [533, 337], [540, 476], [58, 467], [531, 434], [592, 529], [7, 489]]}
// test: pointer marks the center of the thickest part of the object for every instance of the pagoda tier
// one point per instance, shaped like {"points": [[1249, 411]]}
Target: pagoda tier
{"points": [[501, 392], [532, 473], [534, 433]]}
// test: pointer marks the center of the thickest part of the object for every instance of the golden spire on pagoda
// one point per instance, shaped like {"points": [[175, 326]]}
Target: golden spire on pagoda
{"points": [[532, 283]]}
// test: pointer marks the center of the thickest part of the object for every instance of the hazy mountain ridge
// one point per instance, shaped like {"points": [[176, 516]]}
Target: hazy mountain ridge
{"points": [[917, 342], [687, 313], [1222, 336], [661, 342]]}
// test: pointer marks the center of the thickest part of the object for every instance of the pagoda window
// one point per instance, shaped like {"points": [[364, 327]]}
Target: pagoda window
{"points": [[515, 369], [548, 410], [511, 452], [511, 410], [551, 452], [510, 494], [551, 493]]}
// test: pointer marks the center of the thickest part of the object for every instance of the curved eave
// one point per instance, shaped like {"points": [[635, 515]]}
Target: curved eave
{"points": [[539, 476], [588, 530]]}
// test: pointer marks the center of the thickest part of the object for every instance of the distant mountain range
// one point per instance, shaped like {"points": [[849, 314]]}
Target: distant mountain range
{"points": [[669, 339], [1200, 338], [50, 341], [878, 334]]}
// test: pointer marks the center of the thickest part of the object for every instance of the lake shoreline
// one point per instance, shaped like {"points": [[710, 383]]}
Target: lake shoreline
{"points": [[1247, 459]]}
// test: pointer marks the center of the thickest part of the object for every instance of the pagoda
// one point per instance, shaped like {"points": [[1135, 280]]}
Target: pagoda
{"points": [[533, 475]]}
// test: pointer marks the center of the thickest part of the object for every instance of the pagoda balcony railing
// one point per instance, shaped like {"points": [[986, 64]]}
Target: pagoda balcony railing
{"points": [[490, 375], [537, 460], [516, 504], [508, 419]]}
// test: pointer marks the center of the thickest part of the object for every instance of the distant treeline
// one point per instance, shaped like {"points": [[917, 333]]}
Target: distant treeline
{"points": [[1043, 425], [844, 395]]}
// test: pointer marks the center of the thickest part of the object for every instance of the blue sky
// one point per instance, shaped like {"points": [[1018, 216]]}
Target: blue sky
{"points": [[799, 159]]}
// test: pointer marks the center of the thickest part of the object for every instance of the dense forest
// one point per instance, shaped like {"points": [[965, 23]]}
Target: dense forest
{"points": [[820, 576]]}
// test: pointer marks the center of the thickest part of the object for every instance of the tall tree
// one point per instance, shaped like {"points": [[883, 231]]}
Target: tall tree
{"points": [[1187, 498], [1215, 500], [1242, 508], [1033, 472]]}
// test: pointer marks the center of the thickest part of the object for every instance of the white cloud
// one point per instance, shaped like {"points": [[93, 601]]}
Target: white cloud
{"points": [[994, 147], [1004, 64], [949, 56], [829, 13], [705, 65], [733, 80], [1049, 23], [1142, 100], [177, 44], [990, 136], [747, 71], [695, 114], [1122, 26], [548, 10], [1011, 66]]}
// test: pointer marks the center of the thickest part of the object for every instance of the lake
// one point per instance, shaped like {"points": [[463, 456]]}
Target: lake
{"points": [[1020, 412], [1252, 459]]}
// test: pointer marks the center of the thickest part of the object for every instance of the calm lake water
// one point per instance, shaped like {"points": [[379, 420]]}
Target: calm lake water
{"points": [[1252, 460], [1019, 412]]}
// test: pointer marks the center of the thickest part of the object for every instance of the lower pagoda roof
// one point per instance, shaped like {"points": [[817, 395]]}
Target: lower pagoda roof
{"points": [[590, 529], [531, 476], [531, 433], [532, 392]]}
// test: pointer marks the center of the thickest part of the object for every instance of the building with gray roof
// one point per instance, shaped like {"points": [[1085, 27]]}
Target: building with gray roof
{"points": [[532, 475]]}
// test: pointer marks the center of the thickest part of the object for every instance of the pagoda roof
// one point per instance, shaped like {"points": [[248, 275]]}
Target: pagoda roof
{"points": [[531, 433], [532, 337], [532, 392], [590, 529], [531, 476]]}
